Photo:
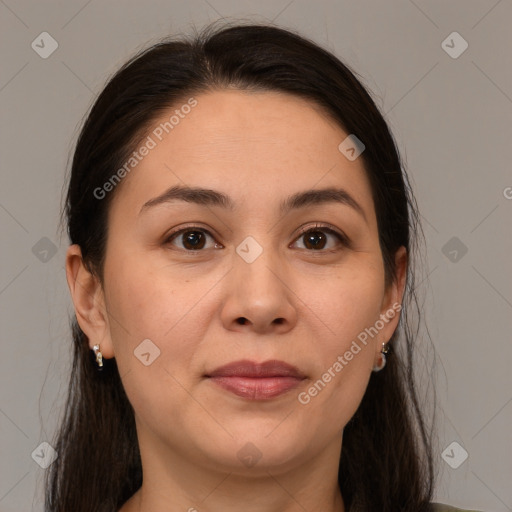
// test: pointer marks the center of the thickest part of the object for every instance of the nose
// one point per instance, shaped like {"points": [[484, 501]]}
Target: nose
{"points": [[259, 296]]}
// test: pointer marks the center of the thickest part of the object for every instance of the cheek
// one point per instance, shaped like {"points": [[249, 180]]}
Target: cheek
{"points": [[138, 310], [349, 304], [149, 300], [160, 304], [348, 317], [144, 305], [344, 304]]}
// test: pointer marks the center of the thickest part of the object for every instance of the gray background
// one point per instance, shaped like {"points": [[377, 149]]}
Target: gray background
{"points": [[450, 116]]}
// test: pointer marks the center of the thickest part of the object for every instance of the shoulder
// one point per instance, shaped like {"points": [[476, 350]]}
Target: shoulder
{"points": [[440, 507]]}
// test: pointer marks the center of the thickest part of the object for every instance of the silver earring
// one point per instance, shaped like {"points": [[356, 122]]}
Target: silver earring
{"points": [[99, 356], [382, 363]]}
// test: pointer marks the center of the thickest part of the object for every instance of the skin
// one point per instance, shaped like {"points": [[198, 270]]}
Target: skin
{"points": [[258, 148]]}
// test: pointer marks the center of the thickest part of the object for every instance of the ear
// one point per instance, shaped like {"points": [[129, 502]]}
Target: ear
{"points": [[392, 301], [89, 301]]}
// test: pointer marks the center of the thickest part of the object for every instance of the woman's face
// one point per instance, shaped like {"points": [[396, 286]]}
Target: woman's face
{"points": [[193, 285]]}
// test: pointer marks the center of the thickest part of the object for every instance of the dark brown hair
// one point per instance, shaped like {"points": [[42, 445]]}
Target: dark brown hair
{"points": [[386, 462]]}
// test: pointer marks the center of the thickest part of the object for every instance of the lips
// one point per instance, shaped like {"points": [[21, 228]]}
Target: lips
{"points": [[257, 381]]}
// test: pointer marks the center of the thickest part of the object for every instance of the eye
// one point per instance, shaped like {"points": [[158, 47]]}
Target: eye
{"points": [[316, 238], [192, 238]]}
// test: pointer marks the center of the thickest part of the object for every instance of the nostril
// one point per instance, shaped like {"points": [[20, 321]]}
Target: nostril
{"points": [[241, 320]]}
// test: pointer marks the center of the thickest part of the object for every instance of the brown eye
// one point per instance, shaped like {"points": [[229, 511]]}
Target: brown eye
{"points": [[190, 239], [314, 240], [317, 238]]}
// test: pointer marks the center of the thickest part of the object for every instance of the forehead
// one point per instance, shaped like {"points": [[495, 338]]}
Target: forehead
{"points": [[260, 145]]}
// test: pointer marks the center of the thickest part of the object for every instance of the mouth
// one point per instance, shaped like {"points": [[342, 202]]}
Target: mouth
{"points": [[257, 381]]}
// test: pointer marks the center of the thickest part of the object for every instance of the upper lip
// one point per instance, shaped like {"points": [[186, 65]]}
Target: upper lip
{"points": [[246, 368]]}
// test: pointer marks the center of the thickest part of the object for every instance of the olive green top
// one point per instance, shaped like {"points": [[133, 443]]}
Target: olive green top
{"points": [[440, 507]]}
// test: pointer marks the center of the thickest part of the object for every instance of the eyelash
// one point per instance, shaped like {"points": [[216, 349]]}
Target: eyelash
{"points": [[343, 239]]}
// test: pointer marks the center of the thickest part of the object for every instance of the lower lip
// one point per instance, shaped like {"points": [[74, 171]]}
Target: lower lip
{"points": [[257, 388]]}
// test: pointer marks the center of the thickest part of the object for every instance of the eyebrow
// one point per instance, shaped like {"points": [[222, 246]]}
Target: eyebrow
{"points": [[208, 197]]}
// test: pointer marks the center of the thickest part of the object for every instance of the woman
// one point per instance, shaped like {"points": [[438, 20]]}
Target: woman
{"points": [[241, 238]]}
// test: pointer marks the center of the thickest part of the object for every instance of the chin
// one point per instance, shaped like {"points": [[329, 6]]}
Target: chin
{"points": [[257, 452]]}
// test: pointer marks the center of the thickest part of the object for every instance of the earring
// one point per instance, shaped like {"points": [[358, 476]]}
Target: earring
{"points": [[99, 356], [382, 363]]}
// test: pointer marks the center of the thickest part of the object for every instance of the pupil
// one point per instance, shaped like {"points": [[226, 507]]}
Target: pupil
{"points": [[315, 239], [193, 239]]}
